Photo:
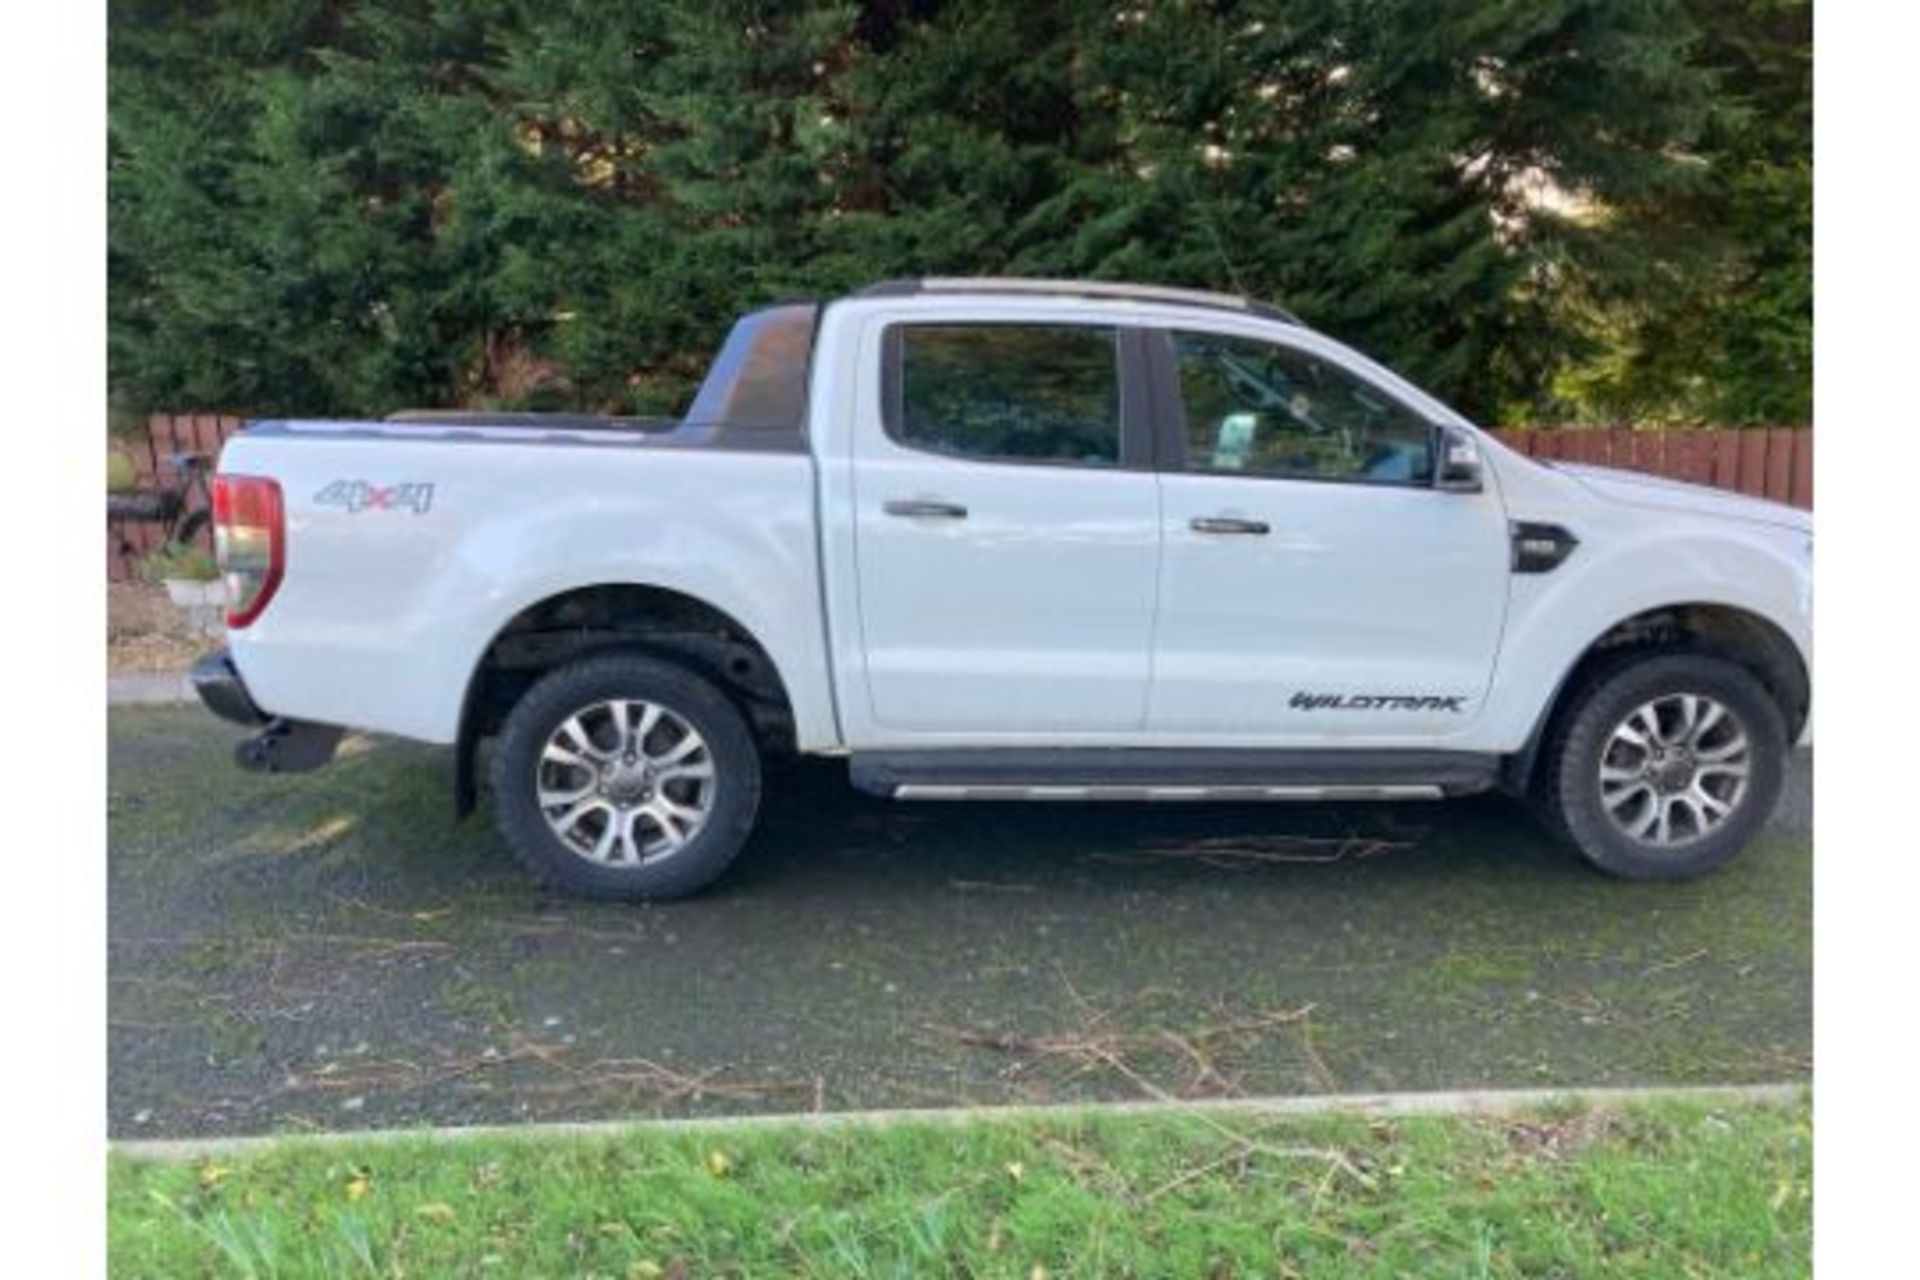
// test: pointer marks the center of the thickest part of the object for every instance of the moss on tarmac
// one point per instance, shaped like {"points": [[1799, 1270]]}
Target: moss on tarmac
{"points": [[334, 950]]}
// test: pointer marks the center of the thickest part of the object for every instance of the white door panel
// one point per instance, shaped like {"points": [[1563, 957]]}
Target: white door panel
{"points": [[1006, 535], [1356, 591], [1315, 586], [1032, 613]]}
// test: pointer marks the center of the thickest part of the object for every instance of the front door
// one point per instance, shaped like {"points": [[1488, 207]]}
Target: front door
{"points": [[1007, 529], [1316, 587]]}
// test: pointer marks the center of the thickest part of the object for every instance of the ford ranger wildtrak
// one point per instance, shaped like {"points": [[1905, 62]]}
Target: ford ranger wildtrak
{"points": [[992, 539]]}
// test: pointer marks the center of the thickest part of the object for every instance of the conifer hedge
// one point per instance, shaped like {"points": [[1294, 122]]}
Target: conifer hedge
{"points": [[1537, 208]]}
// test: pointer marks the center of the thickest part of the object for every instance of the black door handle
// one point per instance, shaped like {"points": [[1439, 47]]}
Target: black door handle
{"points": [[1228, 524], [925, 508]]}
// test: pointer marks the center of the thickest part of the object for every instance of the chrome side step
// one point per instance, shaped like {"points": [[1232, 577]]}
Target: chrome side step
{"points": [[1148, 773], [1238, 791]]}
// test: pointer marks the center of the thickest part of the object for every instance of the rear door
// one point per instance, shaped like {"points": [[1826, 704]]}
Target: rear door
{"points": [[1316, 587], [1007, 530]]}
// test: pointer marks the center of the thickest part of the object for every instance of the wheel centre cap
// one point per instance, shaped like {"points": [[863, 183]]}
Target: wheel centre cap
{"points": [[1673, 772], [628, 782]]}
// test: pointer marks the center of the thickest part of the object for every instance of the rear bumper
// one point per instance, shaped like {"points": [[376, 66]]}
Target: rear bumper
{"points": [[223, 692], [281, 745]]}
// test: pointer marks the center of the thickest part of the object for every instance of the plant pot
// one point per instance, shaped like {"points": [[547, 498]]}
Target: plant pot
{"points": [[204, 602], [195, 593]]}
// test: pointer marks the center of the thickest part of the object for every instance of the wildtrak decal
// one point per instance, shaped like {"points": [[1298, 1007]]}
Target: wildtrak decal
{"points": [[357, 496], [1375, 702]]}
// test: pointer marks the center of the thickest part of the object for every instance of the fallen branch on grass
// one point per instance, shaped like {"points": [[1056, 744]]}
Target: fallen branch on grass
{"points": [[1316, 1063], [1666, 966], [630, 1075], [1239, 852], [664, 1084], [991, 886], [1089, 1046], [1334, 1160], [343, 941]]}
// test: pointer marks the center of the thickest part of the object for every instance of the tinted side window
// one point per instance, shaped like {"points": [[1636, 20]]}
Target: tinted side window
{"points": [[1011, 392], [1271, 410]]}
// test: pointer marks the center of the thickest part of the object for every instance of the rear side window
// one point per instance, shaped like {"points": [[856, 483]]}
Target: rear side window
{"points": [[1010, 393]]}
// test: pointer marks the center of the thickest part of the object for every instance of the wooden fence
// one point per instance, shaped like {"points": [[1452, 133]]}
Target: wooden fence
{"points": [[1767, 462]]}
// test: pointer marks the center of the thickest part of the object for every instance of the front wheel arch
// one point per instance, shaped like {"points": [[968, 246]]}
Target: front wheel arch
{"points": [[1714, 630], [1729, 761]]}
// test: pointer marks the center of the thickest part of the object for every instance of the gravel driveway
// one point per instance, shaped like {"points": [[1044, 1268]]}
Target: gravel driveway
{"points": [[334, 950]]}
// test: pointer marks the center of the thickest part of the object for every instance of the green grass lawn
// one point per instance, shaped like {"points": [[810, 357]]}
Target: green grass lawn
{"points": [[1676, 1190]]}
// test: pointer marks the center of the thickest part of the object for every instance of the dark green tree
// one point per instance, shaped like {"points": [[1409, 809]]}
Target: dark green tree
{"points": [[1712, 317], [339, 206]]}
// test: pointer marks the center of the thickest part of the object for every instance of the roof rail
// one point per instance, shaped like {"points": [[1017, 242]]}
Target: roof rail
{"points": [[1077, 289]]}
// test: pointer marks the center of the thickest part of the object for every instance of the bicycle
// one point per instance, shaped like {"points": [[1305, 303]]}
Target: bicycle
{"points": [[184, 511]]}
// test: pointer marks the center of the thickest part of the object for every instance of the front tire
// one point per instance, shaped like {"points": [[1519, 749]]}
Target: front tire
{"points": [[1667, 766], [627, 778]]}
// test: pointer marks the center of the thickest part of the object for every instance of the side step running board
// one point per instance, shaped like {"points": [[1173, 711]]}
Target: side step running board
{"points": [[1155, 773], [1329, 791]]}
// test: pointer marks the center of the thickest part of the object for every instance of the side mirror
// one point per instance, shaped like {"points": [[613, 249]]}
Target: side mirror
{"points": [[1457, 466]]}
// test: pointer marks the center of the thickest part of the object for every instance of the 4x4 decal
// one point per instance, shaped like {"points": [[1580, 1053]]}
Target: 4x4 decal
{"points": [[357, 496], [1374, 702]]}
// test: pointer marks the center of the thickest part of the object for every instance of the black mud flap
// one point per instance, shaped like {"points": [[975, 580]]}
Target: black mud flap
{"points": [[288, 746]]}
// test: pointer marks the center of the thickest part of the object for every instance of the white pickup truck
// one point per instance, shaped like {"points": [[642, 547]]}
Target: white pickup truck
{"points": [[1012, 539]]}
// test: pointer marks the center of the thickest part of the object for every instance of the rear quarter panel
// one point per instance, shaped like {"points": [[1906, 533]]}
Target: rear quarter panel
{"points": [[384, 612]]}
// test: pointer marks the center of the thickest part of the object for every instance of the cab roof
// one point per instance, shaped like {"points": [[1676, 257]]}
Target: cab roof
{"points": [[1077, 289]]}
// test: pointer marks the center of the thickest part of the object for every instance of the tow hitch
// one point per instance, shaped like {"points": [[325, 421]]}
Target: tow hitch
{"points": [[281, 745], [288, 746]]}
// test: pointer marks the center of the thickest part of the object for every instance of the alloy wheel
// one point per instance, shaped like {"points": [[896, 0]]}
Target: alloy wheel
{"points": [[1675, 769], [625, 782]]}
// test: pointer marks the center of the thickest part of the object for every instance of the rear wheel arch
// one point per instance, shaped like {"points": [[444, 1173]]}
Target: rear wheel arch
{"points": [[586, 621], [1724, 631]]}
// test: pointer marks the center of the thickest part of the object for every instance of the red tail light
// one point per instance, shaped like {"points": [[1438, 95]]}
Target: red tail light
{"points": [[249, 542]]}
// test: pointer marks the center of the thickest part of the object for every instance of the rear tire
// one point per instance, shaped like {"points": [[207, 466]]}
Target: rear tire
{"points": [[1667, 765], [627, 778]]}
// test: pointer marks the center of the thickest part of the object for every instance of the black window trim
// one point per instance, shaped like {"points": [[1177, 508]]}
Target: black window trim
{"points": [[1137, 446], [1170, 417]]}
